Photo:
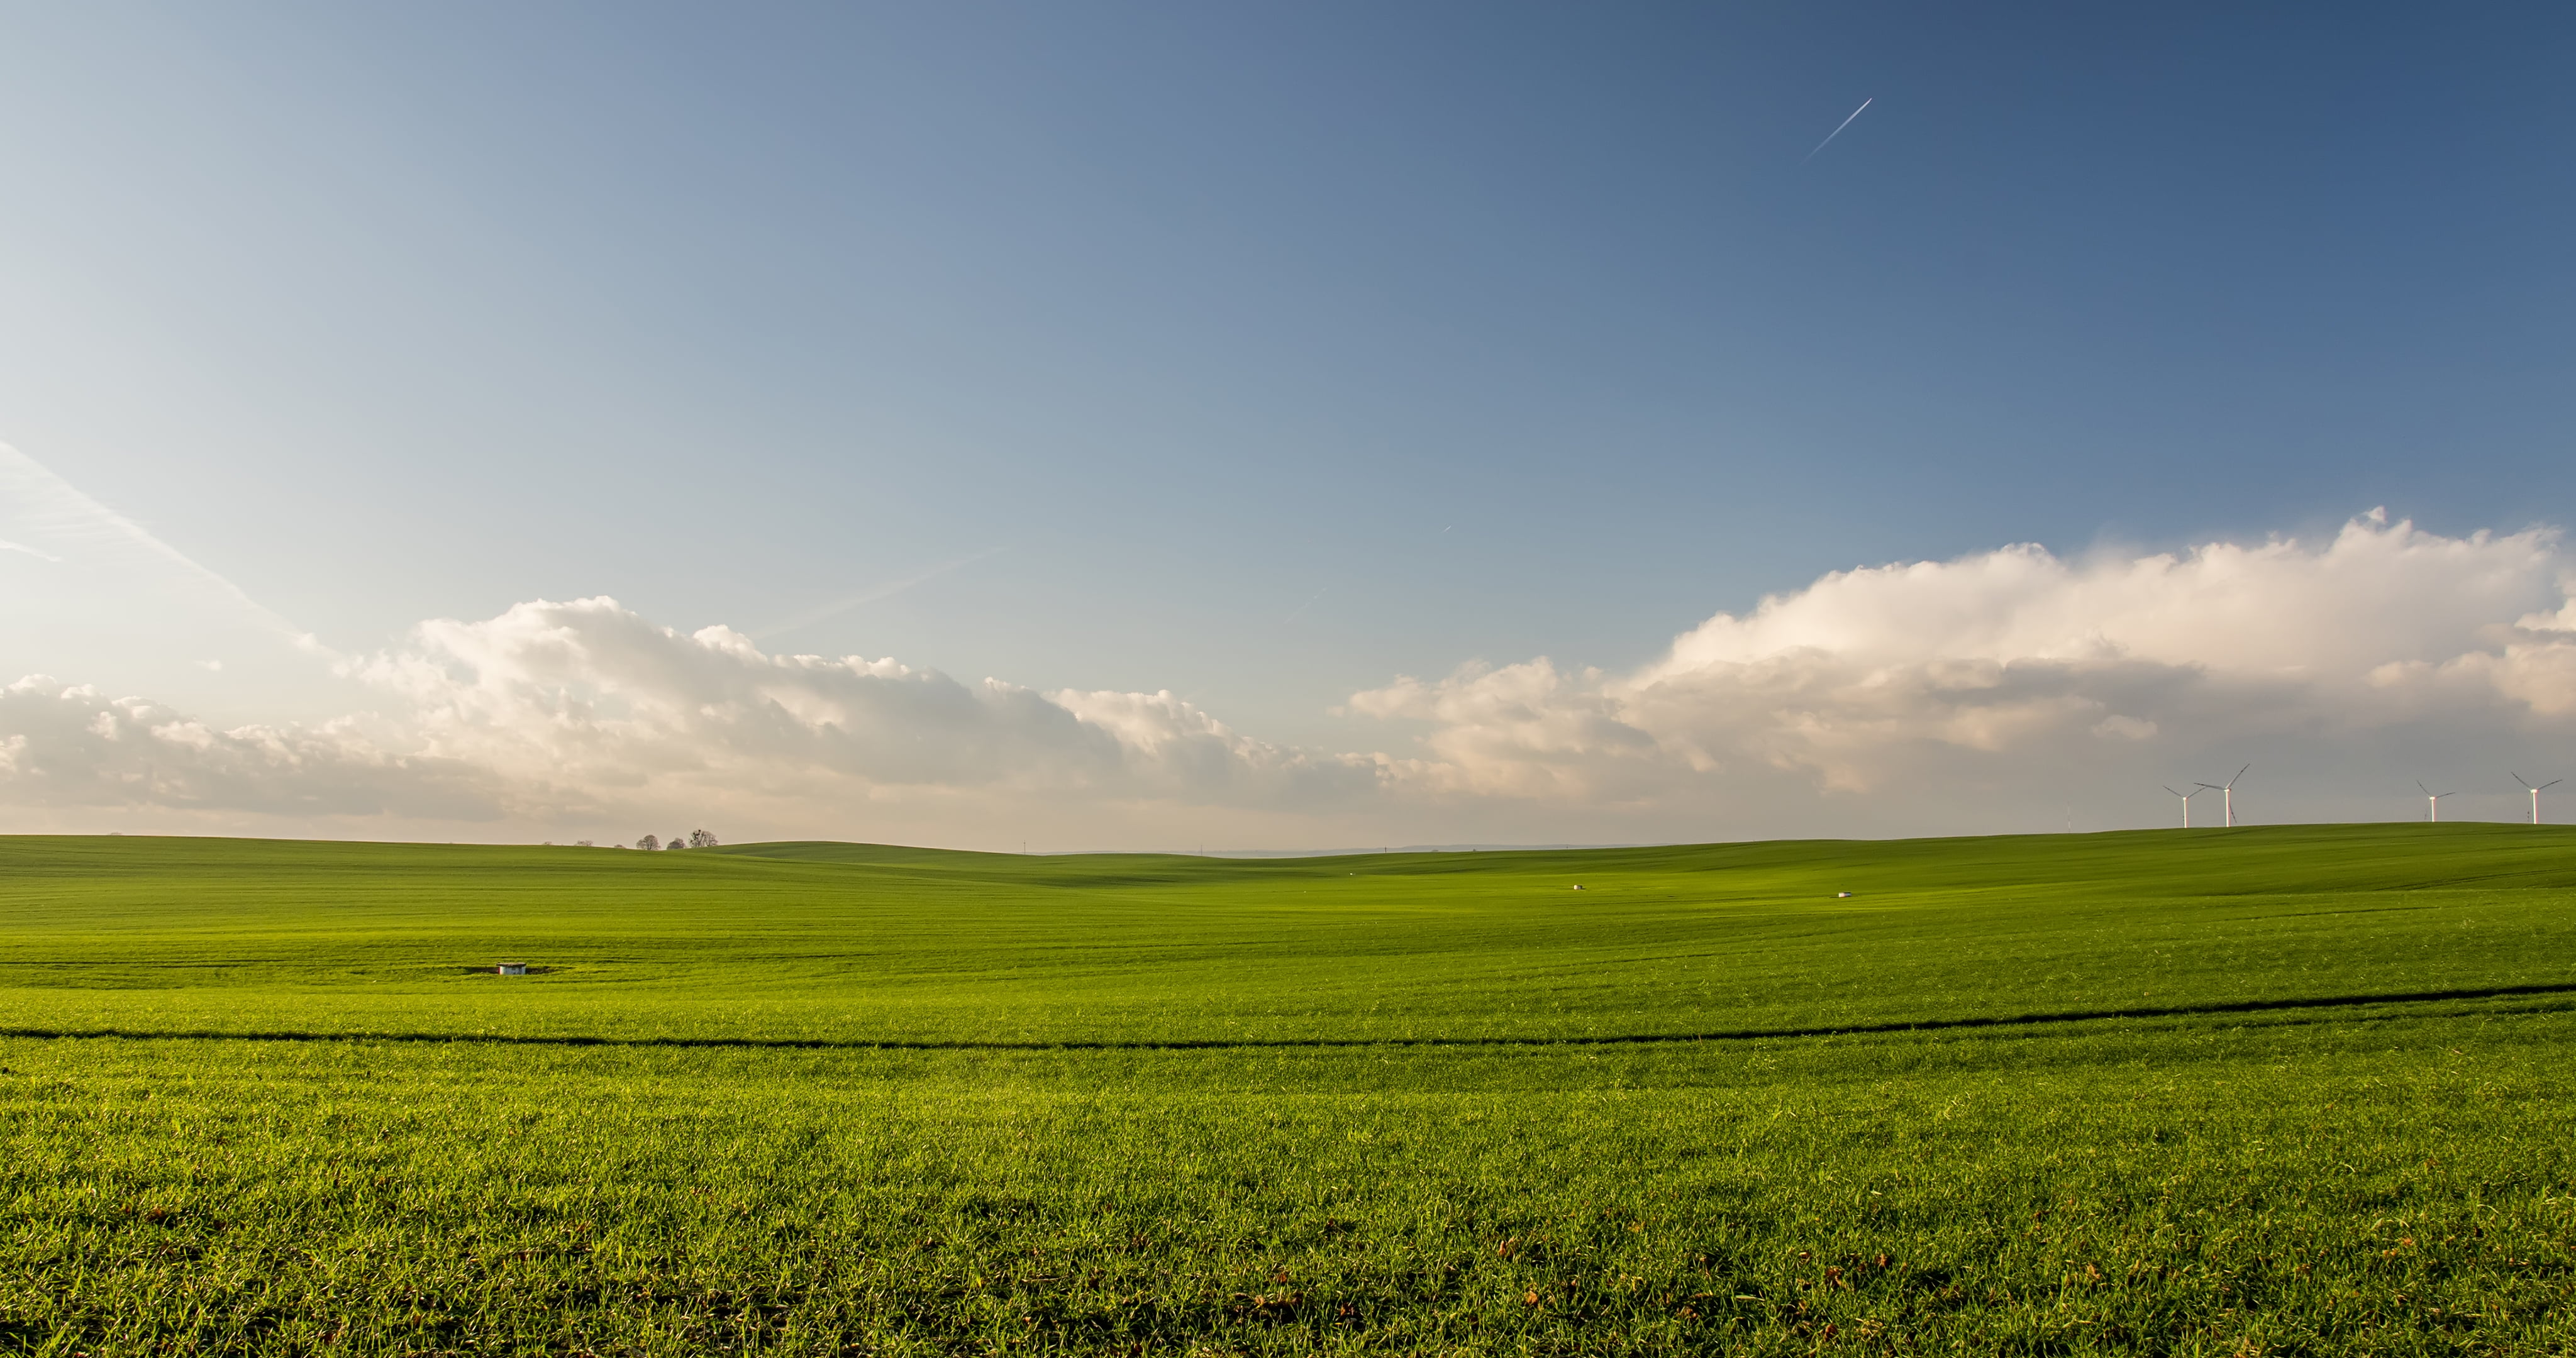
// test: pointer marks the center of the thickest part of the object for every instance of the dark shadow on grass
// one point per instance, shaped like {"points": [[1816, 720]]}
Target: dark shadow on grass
{"points": [[1295, 1043]]}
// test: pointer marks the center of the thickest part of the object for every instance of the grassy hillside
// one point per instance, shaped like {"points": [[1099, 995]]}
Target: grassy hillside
{"points": [[2297, 1089]]}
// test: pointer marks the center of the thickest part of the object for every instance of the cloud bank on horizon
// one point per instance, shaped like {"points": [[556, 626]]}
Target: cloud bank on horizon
{"points": [[1869, 701], [1868, 676]]}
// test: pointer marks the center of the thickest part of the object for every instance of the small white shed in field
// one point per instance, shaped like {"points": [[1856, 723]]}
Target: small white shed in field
{"points": [[512, 969]]}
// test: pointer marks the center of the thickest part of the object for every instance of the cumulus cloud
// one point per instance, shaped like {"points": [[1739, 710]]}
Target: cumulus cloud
{"points": [[67, 745], [1889, 688], [1872, 675], [586, 709], [590, 694]]}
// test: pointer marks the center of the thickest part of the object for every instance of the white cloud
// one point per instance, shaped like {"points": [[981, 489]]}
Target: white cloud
{"points": [[68, 746], [1870, 701], [590, 694], [2017, 657]]}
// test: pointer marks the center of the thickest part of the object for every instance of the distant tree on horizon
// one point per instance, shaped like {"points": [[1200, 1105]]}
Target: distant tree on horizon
{"points": [[700, 839], [648, 842]]}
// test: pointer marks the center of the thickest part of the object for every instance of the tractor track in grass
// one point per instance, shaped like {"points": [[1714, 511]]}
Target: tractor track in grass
{"points": [[1896, 1027]]}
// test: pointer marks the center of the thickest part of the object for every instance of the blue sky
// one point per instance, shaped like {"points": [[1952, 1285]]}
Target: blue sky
{"points": [[1260, 354]]}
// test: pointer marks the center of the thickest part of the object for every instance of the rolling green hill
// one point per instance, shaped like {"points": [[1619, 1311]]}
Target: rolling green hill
{"points": [[2137, 1092]]}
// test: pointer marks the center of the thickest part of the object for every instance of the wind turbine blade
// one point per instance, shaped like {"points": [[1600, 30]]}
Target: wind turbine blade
{"points": [[2419, 786], [2548, 785], [2519, 778], [2239, 774]]}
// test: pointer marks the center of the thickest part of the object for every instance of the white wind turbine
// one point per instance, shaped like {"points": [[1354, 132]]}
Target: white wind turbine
{"points": [[2535, 789], [2228, 790], [2432, 801], [2186, 802]]}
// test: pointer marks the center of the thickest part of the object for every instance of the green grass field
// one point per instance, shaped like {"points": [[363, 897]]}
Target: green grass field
{"points": [[2299, 1090]]}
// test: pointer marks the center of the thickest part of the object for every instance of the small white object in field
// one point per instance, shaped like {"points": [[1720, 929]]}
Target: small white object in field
{"points": [[1842, 895], [1578, 886], [512, 969]]}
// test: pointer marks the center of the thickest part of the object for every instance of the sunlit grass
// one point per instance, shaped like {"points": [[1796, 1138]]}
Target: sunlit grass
{"points": [[2296, 1091]]}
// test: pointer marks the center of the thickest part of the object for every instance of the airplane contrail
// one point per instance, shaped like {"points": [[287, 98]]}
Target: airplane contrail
{"points": [[1838, 131], [65, 517], [885, 591], [22, 547]]}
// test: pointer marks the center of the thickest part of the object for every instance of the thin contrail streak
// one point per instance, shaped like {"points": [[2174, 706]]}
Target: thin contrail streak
{"points": [[884, 591], [22, 547], [1838, 131], [63, 514]]}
